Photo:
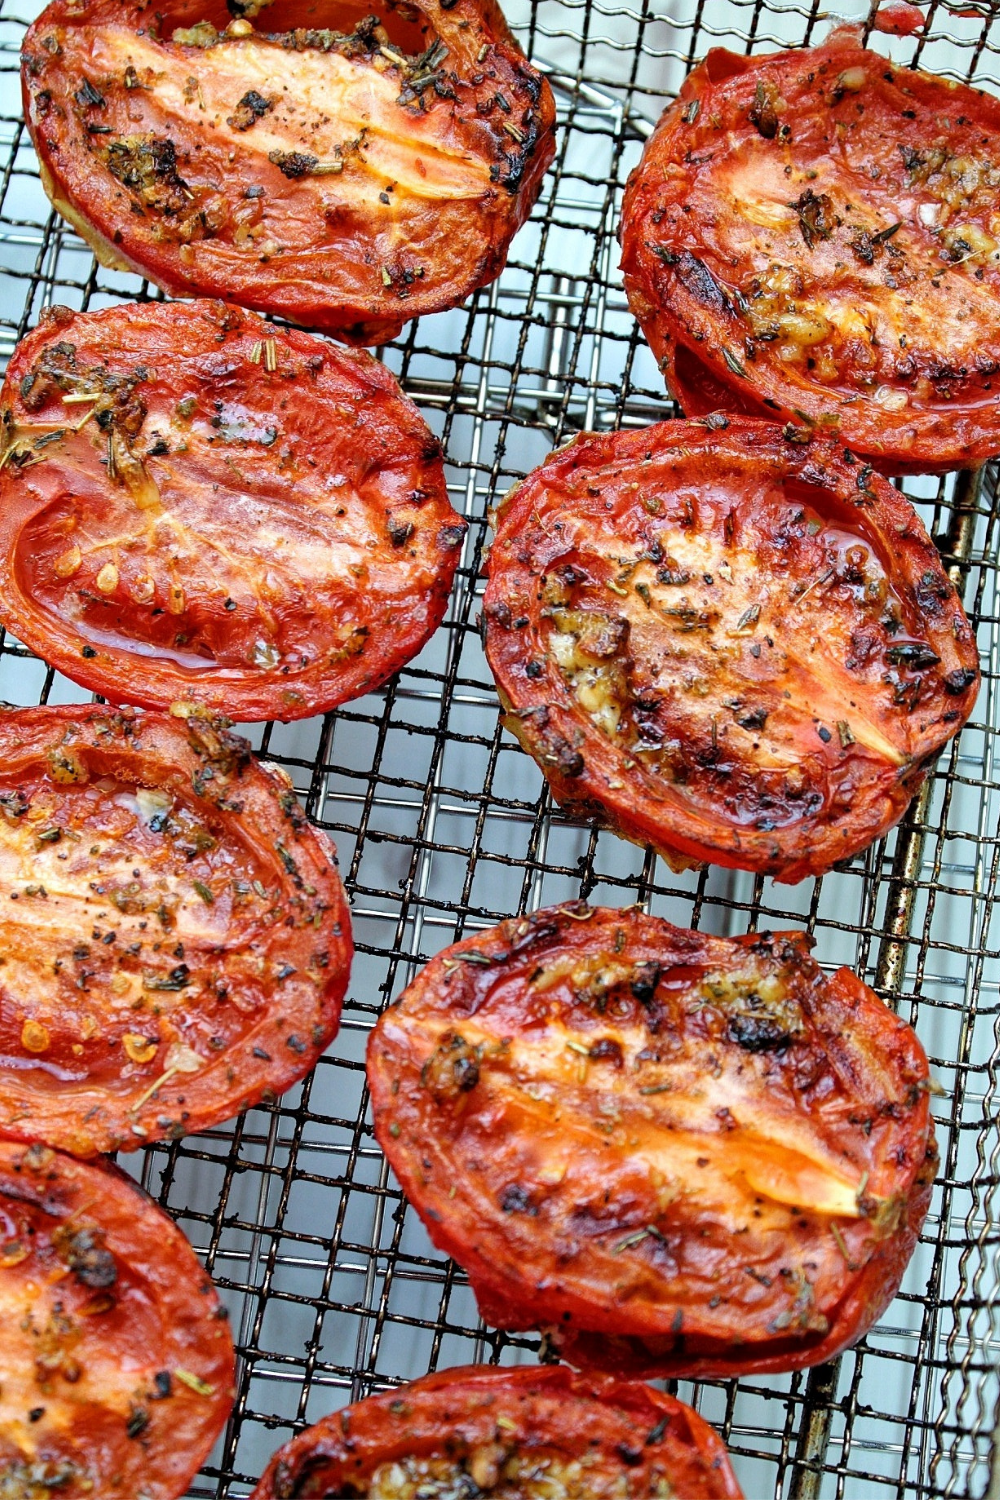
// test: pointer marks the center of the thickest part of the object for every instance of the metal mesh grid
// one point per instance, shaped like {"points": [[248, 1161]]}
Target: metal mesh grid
{"points": [[444, 827]]}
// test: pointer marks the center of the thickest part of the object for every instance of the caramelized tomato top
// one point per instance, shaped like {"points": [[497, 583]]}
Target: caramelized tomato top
{"points": [[118, 1364], [174, 937], [345, 180], [733, 645], [625, 1131], [820, 231], [198, 507], [512, 1434]]}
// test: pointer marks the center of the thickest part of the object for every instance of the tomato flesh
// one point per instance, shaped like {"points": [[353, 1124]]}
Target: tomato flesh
{"points": [[678, 1154], [199, 508], [727, 642], [331, 177], [514, 1434], [118, 1364], [818, 231], [174, 937]]}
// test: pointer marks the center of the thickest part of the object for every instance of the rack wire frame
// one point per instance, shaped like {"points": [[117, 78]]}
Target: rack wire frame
{"points": [[444, 827]]}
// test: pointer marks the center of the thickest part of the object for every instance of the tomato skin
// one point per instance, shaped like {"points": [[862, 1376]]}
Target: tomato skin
{"points": [[103, 1304], [678, 1154], [453, 1412], [194, 931], [812, 267], [725, 642], [264, 543], [364, 203]]}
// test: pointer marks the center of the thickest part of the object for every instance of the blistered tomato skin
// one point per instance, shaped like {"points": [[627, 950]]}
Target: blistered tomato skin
{"points": [[175, 941], [347, 181], [516, 1434], [814, 235], [678, 1154], [118, 1364], [736, 645], [197, 507]]}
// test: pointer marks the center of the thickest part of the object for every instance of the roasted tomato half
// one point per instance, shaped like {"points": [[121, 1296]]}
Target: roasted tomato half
{"points": [[175, 941], [683, 1155], [118, 1363], [197, 507], [510, 1434], [735, 645], [346, 179], [817, 234]]}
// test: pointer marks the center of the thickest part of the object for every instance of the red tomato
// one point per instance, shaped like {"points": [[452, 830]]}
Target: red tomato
{"points": [[819, 232], [118, 1364], [515, 1434], [198, 507], [176, 940], [736, 646], [349, 181], [678, 1154], [900, 19]]}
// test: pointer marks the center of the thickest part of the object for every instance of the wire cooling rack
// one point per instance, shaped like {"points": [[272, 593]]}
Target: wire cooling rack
{"points": [[444, 827]]}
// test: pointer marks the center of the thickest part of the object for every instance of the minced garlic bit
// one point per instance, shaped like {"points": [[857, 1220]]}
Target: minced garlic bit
{"points": [[183, 1059], [597, 686], [970, 243], [852, 81], [588, 647], [890, 399], [778, 309]]}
